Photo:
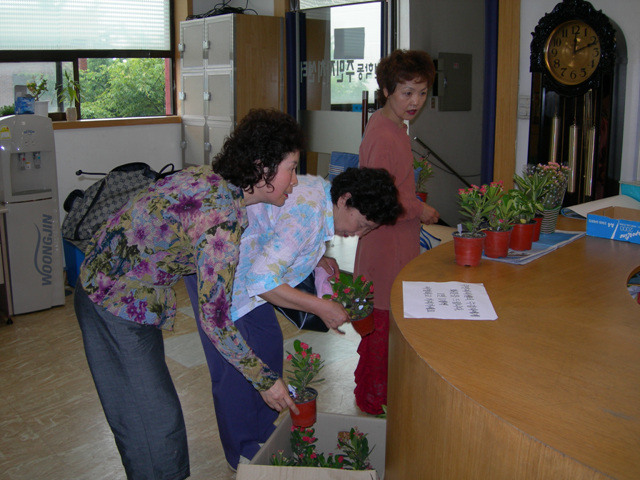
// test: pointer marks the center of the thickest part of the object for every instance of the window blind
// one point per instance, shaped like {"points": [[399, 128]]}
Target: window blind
{"points": [[85, 25]]}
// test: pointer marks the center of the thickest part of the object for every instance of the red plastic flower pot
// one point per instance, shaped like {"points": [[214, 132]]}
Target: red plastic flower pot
{"points": [[468, 250], [496, 244], [307, 411], [364, 326], [522, 236], [536, 227]]}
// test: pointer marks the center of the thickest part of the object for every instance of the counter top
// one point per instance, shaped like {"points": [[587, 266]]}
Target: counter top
{"points": [[549, 390]]}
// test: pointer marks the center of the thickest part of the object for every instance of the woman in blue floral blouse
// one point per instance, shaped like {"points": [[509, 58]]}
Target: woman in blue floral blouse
{"points": [[279, 249], [189, 222]]}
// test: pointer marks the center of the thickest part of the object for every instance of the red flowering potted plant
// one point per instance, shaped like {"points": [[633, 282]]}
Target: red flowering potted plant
{"points": [[353, 444], [524, 211], [500, 222], [476, 203], [355, 293], [305, 367]]}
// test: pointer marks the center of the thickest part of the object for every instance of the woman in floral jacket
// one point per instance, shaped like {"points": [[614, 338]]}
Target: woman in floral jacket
{"points": [[189, 222]]}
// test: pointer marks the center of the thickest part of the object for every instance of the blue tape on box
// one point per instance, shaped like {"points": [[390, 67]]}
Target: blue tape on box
{"points": [[631, 189]]}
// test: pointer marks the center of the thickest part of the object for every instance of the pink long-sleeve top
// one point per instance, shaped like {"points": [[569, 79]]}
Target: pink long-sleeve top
{"points": [[382, 253]]}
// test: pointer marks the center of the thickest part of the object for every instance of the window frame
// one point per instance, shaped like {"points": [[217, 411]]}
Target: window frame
{"points": [[73, 56]]}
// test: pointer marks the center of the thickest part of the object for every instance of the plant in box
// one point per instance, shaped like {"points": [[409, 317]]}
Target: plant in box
{"points": [[355, 293], [353, 444], [305, 367]]}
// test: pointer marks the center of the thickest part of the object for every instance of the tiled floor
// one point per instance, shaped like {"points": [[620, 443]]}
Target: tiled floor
{"points": [[51, 422]]}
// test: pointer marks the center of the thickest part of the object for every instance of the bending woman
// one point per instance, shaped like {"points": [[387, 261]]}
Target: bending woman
{"points": [[279, 249], [189, 222]]}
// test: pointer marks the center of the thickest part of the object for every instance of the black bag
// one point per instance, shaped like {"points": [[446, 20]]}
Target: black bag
{"points": [[89, 209], [304, 320]]}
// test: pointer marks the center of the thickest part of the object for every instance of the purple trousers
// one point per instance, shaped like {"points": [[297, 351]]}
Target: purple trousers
{"points": [[244, 420]]}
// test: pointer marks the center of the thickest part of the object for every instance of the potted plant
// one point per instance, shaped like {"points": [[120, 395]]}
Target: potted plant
{"points": [[37, 88], [476, 205], [305, 367], [7, 110], [70, 96], [423, 171], [353, 444], [355, 293], [524, 211], [534, 185], [557, 178], [500, 222]]}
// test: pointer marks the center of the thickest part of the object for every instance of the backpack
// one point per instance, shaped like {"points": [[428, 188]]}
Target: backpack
{"points": [[87, 210]]}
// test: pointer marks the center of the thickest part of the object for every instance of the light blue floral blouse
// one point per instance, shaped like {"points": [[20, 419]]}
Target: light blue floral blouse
{"points": [[189, 222], [282, 244]]}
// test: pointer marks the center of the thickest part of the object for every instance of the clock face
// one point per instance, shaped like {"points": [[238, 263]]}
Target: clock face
{"points": [[572, 52]]}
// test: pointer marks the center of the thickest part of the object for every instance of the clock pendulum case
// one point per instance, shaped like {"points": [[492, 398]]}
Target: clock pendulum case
{"points": [[572, 90]]}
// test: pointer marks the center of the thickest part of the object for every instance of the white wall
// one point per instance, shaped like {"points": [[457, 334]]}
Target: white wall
{"points": [[101, 149], [625, 13], [456, 137]]}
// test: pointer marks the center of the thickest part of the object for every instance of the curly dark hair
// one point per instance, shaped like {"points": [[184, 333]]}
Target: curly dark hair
{"points": [[403, 66], [262, 139], [373, 194]]}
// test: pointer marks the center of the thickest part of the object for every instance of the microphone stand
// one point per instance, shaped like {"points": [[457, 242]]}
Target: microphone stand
{"points": [[445, 164]]}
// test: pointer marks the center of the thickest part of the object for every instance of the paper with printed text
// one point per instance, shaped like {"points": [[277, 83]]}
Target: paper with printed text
{"points": [[447, 300]]}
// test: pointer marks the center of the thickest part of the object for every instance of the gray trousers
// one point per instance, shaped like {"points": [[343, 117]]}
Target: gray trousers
{"points": [[136, 391]]}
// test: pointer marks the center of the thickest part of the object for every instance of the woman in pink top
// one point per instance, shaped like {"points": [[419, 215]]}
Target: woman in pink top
{"points": [[404, 78]]}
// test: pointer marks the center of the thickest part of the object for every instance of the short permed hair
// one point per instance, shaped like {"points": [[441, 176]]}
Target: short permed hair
{"points": [[373, 194], [403, 66], [262, 139]]}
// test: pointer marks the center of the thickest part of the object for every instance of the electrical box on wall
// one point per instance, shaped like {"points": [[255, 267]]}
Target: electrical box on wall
{"points": [[453, 82]]}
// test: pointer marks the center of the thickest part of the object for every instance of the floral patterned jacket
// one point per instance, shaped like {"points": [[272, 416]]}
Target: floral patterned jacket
{"points": [[189, 222]]}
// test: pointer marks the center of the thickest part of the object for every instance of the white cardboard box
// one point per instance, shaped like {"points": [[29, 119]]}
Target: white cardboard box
{"points": [[326, 430]]}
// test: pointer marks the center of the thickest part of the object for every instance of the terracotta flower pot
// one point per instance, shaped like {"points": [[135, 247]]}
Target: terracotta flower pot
{"points": [[496, 244], [307, 409], [522, 236], [364, 326], [536, 228], [468, 250]]}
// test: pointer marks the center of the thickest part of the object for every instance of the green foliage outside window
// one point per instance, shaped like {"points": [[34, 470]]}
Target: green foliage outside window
{"points": [[120, 88]]}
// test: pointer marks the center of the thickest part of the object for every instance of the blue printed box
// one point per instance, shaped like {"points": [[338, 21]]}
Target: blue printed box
{"points": [[616, 223]]}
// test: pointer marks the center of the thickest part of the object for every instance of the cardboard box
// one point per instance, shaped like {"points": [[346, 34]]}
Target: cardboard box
{"points": [[326, 430], [616, 223]]}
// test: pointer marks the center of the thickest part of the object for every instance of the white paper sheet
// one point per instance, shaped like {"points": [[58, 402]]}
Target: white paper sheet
{"points": [[447, 300]]}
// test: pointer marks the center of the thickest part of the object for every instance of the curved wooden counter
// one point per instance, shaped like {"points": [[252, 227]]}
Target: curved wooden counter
{"points": [[550, 390]]}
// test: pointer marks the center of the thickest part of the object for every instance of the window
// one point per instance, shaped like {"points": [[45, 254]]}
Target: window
{"points": [[119, 51]]}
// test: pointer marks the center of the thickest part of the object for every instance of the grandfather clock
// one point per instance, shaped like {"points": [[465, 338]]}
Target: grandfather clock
{"points": [[572, 98]]}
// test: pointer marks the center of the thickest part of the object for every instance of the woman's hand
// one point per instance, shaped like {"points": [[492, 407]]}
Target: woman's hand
{"points": [[277, 397], [332, 313], [429, 215], [330, 266]]}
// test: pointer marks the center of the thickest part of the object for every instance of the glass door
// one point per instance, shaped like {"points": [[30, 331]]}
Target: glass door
{"points": [[337, 50]]}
